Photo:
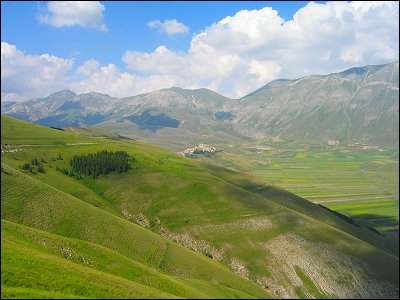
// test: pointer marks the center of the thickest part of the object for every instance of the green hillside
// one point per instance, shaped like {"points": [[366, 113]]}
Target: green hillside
{"points": [[59, 267], [171, 227]]}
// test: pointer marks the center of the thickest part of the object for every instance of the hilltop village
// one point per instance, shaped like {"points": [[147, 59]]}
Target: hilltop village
{"points": [[200, 149]]}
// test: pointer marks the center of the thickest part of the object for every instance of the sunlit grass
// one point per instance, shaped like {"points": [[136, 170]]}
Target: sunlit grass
{"points": [[233, 213]]}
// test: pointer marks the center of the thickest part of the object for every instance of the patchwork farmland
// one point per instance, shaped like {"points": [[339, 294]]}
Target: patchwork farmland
{"points": [[361, 184]]}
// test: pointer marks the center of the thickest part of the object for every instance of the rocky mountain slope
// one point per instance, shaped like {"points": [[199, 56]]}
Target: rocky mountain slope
{"points": [[359, 105]]}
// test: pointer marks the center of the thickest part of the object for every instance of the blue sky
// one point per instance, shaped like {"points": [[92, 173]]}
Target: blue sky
{"points": [[232, 47]]}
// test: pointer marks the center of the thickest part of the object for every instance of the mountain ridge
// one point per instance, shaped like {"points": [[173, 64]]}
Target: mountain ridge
{"points": [[356, 106]]}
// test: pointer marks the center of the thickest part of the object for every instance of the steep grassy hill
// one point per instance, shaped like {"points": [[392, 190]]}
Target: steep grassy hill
{"points": [[171, 227]]}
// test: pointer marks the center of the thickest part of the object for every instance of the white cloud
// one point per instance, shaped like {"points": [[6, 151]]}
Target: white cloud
{"points": [[110, 80], [88, 67], [162, 60], [24, 77], [234, 56], [170, 27], [74, 13], [27, 76], [242, 52]]}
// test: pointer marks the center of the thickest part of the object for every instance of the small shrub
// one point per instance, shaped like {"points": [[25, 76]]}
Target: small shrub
{"points": [[26, 166]]}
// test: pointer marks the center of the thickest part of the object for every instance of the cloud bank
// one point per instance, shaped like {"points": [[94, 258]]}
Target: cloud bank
{"points": [[24, 76], [234, 56]]}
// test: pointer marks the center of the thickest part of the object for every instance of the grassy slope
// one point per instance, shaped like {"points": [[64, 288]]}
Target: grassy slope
{"points": [[35, 204], [223, 214], [71, 268]]}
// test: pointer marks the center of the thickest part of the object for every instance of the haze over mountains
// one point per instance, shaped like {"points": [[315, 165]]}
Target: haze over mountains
{"points": [[357, 106]]}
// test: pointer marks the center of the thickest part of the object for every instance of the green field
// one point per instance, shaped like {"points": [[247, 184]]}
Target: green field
{"points": [[362, 184]]}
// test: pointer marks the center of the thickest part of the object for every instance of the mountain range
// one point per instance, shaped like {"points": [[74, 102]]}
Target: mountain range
{"points": [[359, 106]]}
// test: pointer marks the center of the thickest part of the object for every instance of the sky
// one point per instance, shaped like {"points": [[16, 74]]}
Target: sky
{"points": [[126, 48]]}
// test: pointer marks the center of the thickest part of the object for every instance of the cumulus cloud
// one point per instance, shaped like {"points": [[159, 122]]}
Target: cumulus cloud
{"points": [[24, 77], [27, 76], [170, 27], [242, 52], [234, 56], [74, 13], [162, 60], [110, 80], [88, 67]]}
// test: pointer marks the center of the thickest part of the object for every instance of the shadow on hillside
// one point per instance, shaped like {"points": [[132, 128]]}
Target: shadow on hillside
{"points": [[370, 221], [152, 120], [373, 221]]}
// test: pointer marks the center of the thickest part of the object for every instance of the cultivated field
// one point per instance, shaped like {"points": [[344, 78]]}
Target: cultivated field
{"points": [[362, 184]]}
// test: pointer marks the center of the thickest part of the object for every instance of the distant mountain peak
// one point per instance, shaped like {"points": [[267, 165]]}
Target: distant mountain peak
{"points": [[63, 93]]}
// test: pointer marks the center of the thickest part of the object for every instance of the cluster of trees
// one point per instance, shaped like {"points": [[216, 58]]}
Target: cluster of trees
{"points": [[71, 173], [101, 163], [34, 166]]}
